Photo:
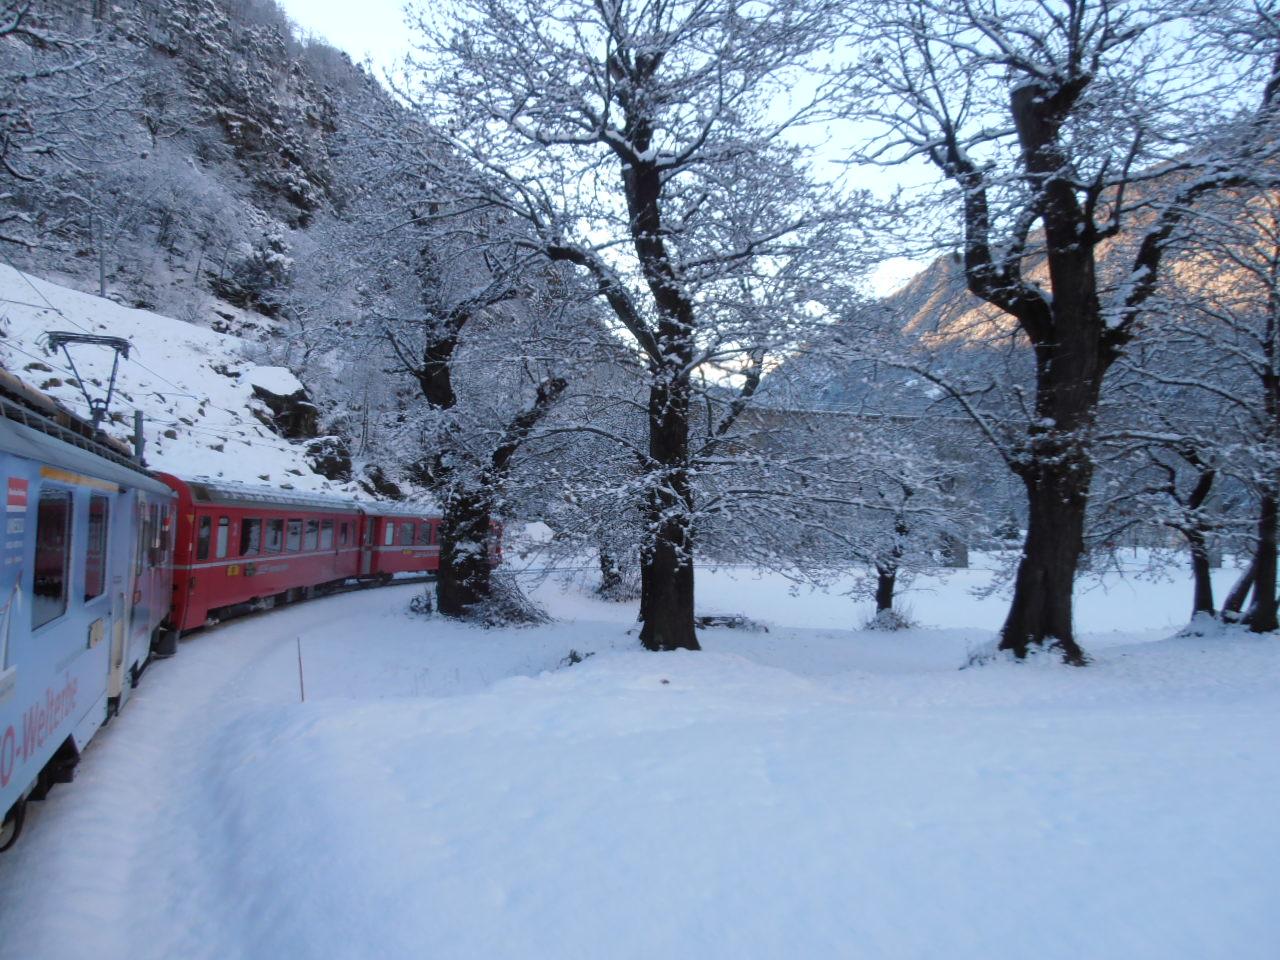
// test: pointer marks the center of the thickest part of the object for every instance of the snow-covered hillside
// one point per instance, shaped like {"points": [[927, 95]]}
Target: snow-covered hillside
{"points": [[194, 386]]}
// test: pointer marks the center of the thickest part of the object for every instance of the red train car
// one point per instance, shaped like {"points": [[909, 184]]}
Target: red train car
{"points": [[399, 540], [241, 547]]}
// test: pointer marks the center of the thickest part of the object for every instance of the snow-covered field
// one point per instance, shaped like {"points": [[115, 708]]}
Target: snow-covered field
{"points": [[812, 791]]}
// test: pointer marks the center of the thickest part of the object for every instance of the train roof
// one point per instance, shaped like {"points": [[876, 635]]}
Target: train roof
{"points": [[248, 494], [383, 509], [27, 434], [230, 492]]}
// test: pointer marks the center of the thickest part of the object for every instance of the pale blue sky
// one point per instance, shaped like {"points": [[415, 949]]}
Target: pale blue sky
{"points": [[372, 28], [376, 29]]}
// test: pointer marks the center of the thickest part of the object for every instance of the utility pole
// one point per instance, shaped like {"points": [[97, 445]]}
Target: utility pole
{"points": [[139, 441]]}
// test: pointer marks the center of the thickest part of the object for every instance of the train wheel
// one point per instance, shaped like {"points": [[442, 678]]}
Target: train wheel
{"points": [[164, 643], [11, 829]]}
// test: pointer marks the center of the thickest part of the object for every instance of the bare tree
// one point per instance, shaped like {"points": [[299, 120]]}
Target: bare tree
{"points": [[1222, 315], [647, 145], [441, 296], [1064, 128]]}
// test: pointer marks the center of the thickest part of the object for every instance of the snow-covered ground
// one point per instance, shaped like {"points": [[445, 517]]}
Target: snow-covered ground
{"points": [[194, 385], [812, 791]]}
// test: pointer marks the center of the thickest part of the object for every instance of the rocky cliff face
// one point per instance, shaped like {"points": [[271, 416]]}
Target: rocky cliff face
{"points": [[200, 149], [199, 153]]}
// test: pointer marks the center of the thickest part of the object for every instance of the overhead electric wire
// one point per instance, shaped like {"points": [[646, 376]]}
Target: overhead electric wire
{"points": [[40, 293]]}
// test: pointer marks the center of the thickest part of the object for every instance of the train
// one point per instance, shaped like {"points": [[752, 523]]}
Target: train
{"points": [[105, 565]]}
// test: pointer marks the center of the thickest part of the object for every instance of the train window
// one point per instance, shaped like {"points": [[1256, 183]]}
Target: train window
{"points": [[424, 534], [406, 533], [220, 543], [344, 532], [53, 551], [326, 534], [250, 537], [294, 540], [203, 531], [275, 535], [368, 531], [95, 557], [166, 534], [313, 534], [154, 553], [390, 529], [142, 539]]}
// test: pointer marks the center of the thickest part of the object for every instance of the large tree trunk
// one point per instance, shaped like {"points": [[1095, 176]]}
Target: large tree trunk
{"points": [[1040, 613], [886, 581], [1196, 532], [1202, 581], [464, 552], [465, 574], [1057, 466], [1072, 353], [1239, 592], [887, 565], [610, 573], [666, 600], [1262, 615]]}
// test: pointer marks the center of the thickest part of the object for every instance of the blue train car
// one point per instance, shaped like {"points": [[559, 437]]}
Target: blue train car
{"points": [[85, 582]]}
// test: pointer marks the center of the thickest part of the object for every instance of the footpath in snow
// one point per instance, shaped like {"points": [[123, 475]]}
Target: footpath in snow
{"points": [[809, 792]]}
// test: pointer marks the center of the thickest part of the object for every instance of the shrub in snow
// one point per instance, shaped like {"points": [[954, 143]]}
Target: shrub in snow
{"points": [[1049, 655], [422, 604], [507, 605], [619, 580], [732, 621], [893, 619]]}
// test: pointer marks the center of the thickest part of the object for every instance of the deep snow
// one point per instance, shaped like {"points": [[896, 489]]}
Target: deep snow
{"points": [[812, 791]]}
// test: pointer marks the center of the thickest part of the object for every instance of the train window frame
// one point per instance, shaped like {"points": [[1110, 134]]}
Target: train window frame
{"points": [[326, 534], [140, 547], [155, 553], [49, 493], [406, 532], [311, 538], [273, 539], [167, 515], [389, 533], [368, 531], [100, 541], [222, 539], [293, 535], [250, 536], [422, 537], [344, 533], [204, 536]]}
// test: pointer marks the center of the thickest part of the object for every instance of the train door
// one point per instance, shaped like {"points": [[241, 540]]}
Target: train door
{"points": [[126, 611], [71, 610], [143, 593], [366, 547]]}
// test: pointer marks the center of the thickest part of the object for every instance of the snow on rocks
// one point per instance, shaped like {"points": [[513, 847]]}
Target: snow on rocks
{"points": [[195, 386], [277, 380]]}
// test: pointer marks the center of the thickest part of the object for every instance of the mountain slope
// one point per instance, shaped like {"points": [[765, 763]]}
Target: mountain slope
{"points": [[195, 387]]}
